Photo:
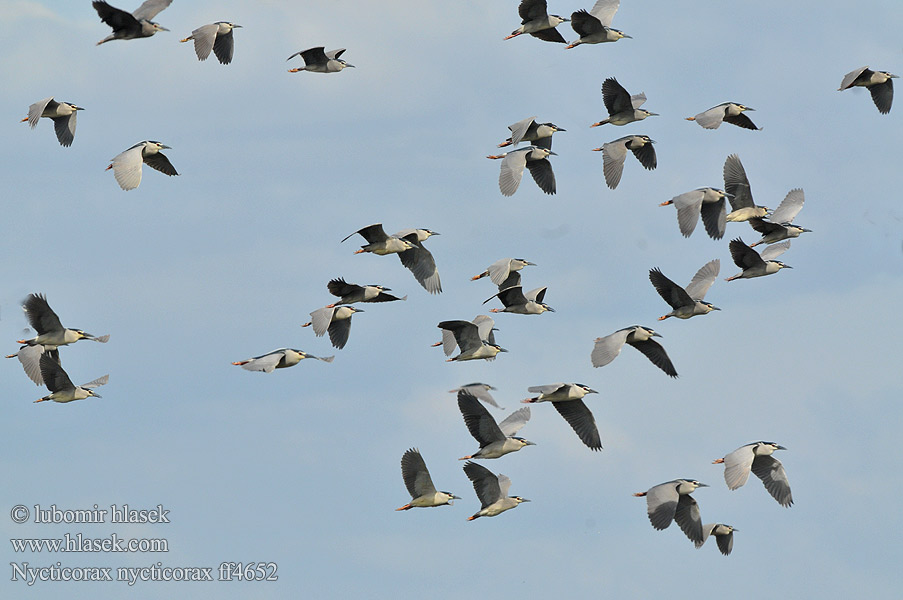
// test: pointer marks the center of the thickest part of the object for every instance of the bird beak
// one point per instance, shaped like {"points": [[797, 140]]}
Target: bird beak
{"points": [[652, 114], [528, 443], [234, 26], [96, 395], [781, 448], [357, 310], [703, 485], [525, 500], [502, 350], [560, 129], [161, 28], [350, 65], [435, 233], [715, 308], [455, 497], [752, 109], [165, 147], [728, 195], [591, 391], [787, 267], [78, 108], [656, 334], [529, 263], [552, 153], [629, 37]]}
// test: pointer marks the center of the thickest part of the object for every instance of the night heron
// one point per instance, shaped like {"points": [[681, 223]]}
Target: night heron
{"points": [[62, 113], [333, 319], [349, 293], [127, 165], [567, 398], [61, 387], [485, 329], [671, 501], [536, 21], [418, 260], [528, 130], [535, 158], [736, 185], [594, 27], [316, 60], [607, 348], [379, 242], [779, 225], [687, 302], [478, 390], [499, 271], [755, 264], [492, 490], [522, 303], [130, 26], [615, 152], [472, 340], [878, 83], [724, 536], [621, 106], [278, 359], [709, 202], [757, 457], [217, 37], [729, 112], [419, 483], [495, 439]]}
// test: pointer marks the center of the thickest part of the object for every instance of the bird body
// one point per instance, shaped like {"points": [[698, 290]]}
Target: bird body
{"points": [[724, 536], [594, 26], [217, 37], [380, 243], [130, 26], [492, 490], [61, 387], [687, 302], [336, 320], [277, 359], [607, 348], [349, 293], [671, 501], [755, 264], [420, 485], [708, 202], [127, 165], [615, 152], [495, 439], [879, 83], [621, 106], [317, 60], [534, 158], [757, 457], [528, 130], [537, 22], [63, 115], [518, 302], [779, 227], [567, 398], [730, 112]]}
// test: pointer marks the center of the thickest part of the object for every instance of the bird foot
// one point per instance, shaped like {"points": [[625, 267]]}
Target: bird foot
{"points": [[496, 156], [718, 462], [405, 507]]}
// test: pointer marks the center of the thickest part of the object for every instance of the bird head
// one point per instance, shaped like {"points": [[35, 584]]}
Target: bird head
{"points": [[586, 388]]}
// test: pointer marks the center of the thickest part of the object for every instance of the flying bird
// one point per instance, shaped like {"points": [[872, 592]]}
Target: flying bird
{"points": [[420, 485], [217, 37], [536, 21], [687, 302], [485, 329], [518, 302], [499, 271], [567, 398], [495, 439], [349, 293], [755, 264], [61, 387], [130, 26], [480, 391], [277, 359], [535, 158], [671, 501], [316, 60], [779, 225], [333, 319], [736, 187], [418, 260], [879, 83], [62, 113], [379, 242], [757, 457], [607, 348], [127, 165], [730, 112], [724, 536], [528, 130], [615, 152], [472, 339], [621, 106], [594, 27], [492, 490], [709, 202]]}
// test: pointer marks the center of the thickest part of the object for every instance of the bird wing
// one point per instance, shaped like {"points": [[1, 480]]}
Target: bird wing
{"points": [[117, 18], [638, 100], [513, 296], [372, 233], [703, 280], [338, 332], [204, 38], [159, 162], [65, 128], [712, 118], [646, 155], [605, 10], [513, 280], [655, 352], [96, 382], [581, 420], [266, 363], [771, 472], [504, 485], [519, 129], [127, 167], [448, 342], [419, 261], [741, 120], [725, 542], [661, 504], [688, 206], [775, 250], [765, 227], [40, 316], [714, 217], [736, 183], [341, 288], [609, 347], [320, 319], [37, 109], [334, 54], [484, 324], [30, 357], [532, 9], [55, 378], [613, 155], [616, 98], [415, 474], [515, 421], [850, 77], [737, 465], [536, 295], [150, 9], [548, 389], [499, 270], [223, 47], [542, 173], [549, 35], [790, 206], [687, 517], [512, 171], [744, 256], [479, 391], [479, 422], [585, 24], [670, 292], [466, 334], [485, 483]]}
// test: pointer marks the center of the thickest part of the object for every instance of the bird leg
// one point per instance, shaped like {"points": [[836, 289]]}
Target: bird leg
{"points": [[405, 507], [717, 462]]}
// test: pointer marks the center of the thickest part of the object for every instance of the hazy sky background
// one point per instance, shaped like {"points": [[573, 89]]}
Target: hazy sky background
{"points": [[301, 467]]}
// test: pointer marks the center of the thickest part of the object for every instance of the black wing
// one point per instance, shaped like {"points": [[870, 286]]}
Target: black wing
{"points": [[116, 18], [646, 155], [741, 120], [223, 47], [656, 353], [714, 217], [581, 420], [541, 170], [687, 517], [159, 162]]}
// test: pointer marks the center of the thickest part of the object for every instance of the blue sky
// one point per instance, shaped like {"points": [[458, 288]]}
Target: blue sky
{"points": [[301, 467]]}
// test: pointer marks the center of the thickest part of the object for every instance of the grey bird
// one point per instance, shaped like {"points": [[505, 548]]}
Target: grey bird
{"points": [[349, 293], [61, 387], [729, 112], [127, 165], [671, 501], [492, 490], [418, 260], [535, 158], [567, 398], [687, 302], [485, 328], [499, 271], [478, 390], [217, 37], [755, 264], [736, 185], [278, 359], [495, 439], [420, 485], [518, 302], [470, 340], [594, 27], [130, 26], [380, 243], [63, 114], [615, 152], [528, 130], [879, 83], [333, 319], [779, 225], [724, 536], [757, 457], [316, 60], [536, 21], [707, 201], [621, 106], [607, 348]]}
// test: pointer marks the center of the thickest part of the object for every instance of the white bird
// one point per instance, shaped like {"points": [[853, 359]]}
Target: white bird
{"points": [[615, 152], [522, 303], [535, 158], [492, 490], [730, 112], [755, 264], [277, 359], [485, 329], [473, 340], [127, 165], [709, 202], [317, 60], [567, 398], [671, 501], [536, 21], [63, 115], [779, 225], [724, 536], [594, 27], [757, 457], [499, 271], [879, 83], [607, 348], [333, 319], [130, 26], [528, 130], [61, 387], [420, 485], [217, 37], [687, 303], [495, 439]]}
